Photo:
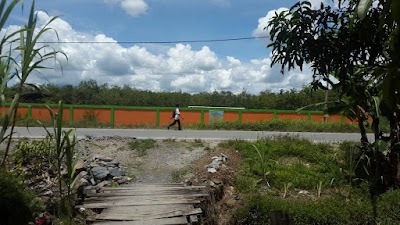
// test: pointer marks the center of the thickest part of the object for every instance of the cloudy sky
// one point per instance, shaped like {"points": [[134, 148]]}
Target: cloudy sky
{"points": [[186, 66]]}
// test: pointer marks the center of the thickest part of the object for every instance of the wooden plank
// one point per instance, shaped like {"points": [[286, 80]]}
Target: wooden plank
{"points": [[149, 189], [119, 199], [147, 209], [153, 187], [165, 221], [134, 217], [126, 195], [103, 205], [145, 192], [193, 219], [116, 196]]}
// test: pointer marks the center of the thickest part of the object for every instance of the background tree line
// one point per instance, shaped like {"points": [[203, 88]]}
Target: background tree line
{"points": [[91, 93]]}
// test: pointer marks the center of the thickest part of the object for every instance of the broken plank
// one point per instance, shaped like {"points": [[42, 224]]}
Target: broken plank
{"points": [[133, 217]]}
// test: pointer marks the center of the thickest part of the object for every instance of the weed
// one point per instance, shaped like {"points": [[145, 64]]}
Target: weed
{"points": [[169, 140], [141, 146], [179, 175], [25, 150], [319, 189], [286, 189], [198, 143]]}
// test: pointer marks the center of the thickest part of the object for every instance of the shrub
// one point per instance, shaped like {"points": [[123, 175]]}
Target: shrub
{"points": [[17, 203], [26, 150]]}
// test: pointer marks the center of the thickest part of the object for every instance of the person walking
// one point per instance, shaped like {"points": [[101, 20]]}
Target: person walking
{"points": [[177, 118]]}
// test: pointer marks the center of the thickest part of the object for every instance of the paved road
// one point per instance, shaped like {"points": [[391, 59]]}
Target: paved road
{"points": [[211, 135]]}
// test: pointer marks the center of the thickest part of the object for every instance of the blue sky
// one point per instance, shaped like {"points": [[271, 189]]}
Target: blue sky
{"points": [[189, 67]]}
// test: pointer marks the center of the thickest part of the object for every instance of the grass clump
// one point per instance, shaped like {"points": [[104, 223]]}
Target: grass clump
{"points": [[141, 146], [179, 175]]}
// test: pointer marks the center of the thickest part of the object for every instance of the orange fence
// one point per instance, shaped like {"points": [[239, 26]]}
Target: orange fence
{"points": [[161, 116]]}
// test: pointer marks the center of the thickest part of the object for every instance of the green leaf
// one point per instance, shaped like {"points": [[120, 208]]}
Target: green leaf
{"points": [[363, 7], [377, 101], [381, 146]]}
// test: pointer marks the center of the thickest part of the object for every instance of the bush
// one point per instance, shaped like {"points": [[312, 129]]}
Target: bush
{"points": [[290, 160], [330, 211], [17, 203]]}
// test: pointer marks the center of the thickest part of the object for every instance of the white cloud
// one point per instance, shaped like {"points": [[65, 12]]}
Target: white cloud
{"points": [[179, 67], [232, 61], [262, 29], [132, 7]]}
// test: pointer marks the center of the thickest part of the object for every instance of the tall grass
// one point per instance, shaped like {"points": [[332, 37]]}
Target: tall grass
{"points": [[282, 125], [312, 182]]}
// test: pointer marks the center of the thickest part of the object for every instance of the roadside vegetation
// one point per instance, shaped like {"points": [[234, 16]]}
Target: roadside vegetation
{"points": [[141, 146], [313, 183]]}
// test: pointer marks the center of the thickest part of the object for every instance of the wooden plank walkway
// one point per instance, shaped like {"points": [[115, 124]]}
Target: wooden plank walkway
{"points": [[146, 204]]}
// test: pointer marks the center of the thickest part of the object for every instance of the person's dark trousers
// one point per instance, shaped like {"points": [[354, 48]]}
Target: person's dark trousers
{"points": [[173, 123]]}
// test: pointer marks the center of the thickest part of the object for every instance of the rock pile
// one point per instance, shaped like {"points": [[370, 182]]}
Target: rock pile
{"points": [[217, 162], [99, 172]]}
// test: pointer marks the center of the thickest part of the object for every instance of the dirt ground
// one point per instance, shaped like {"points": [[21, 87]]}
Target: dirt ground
{"points": [[165, 163], [176, 161]]}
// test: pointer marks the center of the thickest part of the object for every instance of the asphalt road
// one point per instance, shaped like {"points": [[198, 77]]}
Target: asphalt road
{"points": [[206, 135]]}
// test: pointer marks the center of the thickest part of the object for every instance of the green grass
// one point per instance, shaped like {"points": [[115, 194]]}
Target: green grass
{"points": [[141, 146], [179, 175], [322, 170], [282, 125]]}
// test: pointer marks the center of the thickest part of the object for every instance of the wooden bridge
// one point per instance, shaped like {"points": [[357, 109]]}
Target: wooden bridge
{"points": [[146, 204]]}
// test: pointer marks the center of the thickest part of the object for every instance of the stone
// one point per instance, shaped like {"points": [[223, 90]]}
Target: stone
{"points": [[48, 193], [215, 164], [90, 189], [102, 184], [100, 173], [92, 181], [212, 184], [224, 157], [211, 170], [93, 164], [113, 163], [105, 159], [304, 192], [81, 182], [216, 181], [115, 172], [123, 180], [79, 165]]}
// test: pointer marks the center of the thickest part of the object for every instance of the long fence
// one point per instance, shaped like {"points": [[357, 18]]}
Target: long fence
{"points": [[161, 116]]}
